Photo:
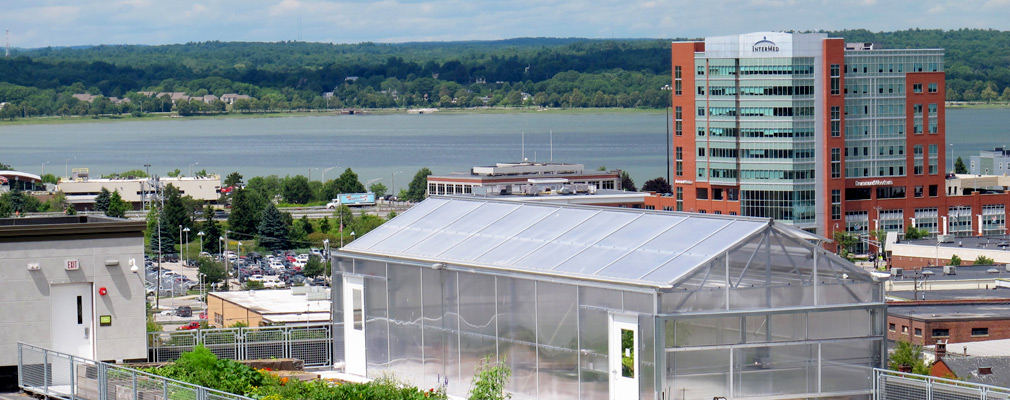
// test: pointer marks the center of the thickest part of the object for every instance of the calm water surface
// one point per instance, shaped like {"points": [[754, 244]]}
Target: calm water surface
{"points": [[375, 146]]}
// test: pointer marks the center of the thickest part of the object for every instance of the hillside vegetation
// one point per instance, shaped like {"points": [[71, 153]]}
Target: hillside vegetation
{"points": [[507, 73]]}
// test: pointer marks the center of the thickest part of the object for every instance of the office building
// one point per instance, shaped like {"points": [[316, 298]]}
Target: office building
{"points": [[816, 133], [995, 162]]}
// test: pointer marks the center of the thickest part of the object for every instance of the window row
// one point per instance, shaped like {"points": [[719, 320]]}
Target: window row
{"points": [[757, 111], [758, 132], [758, 90]]}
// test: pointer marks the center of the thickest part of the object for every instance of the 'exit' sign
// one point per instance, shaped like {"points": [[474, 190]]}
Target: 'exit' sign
{"points": [[73, 265]]}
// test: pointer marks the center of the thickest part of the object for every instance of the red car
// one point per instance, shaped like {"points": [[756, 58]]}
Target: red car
{"points": [[189, 326], [203, 315]]}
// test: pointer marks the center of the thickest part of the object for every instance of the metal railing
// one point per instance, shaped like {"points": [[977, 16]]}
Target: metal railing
{"points": [[57, 375], [311, 343], [893, 385]]}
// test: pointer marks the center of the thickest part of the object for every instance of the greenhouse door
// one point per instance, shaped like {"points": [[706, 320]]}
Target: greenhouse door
{"points": [[354, 325], [623, 357]]}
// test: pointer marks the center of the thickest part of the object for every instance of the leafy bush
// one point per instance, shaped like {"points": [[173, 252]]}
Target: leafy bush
{"points": [[983, 260], [489, 381], [906, 353], [955, 260]]}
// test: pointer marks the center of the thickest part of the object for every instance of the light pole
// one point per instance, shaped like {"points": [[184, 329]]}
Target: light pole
{"points": [[201, 235], [186, 256], [238, 254], [191, 168], [323, 175], [392, 182], [952, 158], [66, 168], [310, 173], [368, 185], [44, 168]]}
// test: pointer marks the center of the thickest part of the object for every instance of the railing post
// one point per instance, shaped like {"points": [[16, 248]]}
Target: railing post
{"points": [[164, 388], [73, 380], [21, 366], [133, 374], [103, 381], [45, 370]]}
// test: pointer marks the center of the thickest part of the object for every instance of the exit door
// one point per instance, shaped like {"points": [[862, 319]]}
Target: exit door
{"points": [[73, 319], [624, 371]]}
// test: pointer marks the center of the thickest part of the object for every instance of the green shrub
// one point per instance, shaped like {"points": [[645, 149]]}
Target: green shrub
{"points": [[489, 381], [955, 260], [203, 368], [983, 260]]}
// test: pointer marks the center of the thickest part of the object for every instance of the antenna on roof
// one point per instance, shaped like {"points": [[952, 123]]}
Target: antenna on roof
{"points": [[7, 53], [524, 147], [552, 145]]}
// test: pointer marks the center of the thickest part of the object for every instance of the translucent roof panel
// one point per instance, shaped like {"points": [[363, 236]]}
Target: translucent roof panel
{"points": [[634, 246]]}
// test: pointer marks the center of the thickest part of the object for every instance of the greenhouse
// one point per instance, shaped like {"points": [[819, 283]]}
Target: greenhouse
{"points": [[605, 303]]}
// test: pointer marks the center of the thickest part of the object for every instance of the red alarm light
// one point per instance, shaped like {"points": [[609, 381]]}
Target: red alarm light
{"points": [[102, 291]]}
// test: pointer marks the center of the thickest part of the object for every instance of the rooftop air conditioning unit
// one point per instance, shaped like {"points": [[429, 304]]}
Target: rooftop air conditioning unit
{"points": [[949, 270], [897, 272]]}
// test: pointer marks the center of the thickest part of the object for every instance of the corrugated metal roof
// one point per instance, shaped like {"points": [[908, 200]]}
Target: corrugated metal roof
{"points": [[600, 243]]}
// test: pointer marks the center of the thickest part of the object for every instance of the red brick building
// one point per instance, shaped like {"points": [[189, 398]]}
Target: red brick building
{"points": [[822, 134], [955, 321]]}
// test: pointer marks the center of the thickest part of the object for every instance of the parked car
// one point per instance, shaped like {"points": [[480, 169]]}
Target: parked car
{"points": [[190, 326], [184, 311]]}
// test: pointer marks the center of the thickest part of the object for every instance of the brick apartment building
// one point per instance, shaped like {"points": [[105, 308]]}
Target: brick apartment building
{"points": [[956, 321]]}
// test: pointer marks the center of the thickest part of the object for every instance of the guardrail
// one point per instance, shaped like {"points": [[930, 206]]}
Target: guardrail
{"points": [[893, 385], [311, 343], [58, 375]]}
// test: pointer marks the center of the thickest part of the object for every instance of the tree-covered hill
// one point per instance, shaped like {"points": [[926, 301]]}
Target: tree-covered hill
{"points": [[567, 72]]}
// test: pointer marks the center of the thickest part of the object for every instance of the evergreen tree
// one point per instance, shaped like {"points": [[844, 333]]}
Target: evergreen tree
{"points": [[418, 187], [233, 179], [314, 267], [117, 207], [273, 232], [211, 232], [165, 242], [959, 167], [306, 225], [297, 190], [658, 185], [175, 213], [102, 200], [243, 217], [324, 226], [627, 183]]}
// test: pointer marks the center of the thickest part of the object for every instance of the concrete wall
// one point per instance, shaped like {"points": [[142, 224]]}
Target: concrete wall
{"points": [[223, 313], [25, 309]]}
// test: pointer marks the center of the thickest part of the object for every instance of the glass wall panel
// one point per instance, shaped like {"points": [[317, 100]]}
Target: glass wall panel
{"points": [[699, 374], [472, 349], [603, 298], [690, 332], [839, 324], [477, 304], [405, 289], [557, 315], [436, 354], [522, 359], [849, 365], [404, 351], [370, 268], [778, 370], [788, 327], [639, 303], [559, 374], [647, 356], [593, 328], [694, 300], [376, 323]]}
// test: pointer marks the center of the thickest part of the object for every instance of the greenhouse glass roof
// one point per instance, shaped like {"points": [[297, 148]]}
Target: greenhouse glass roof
{"points": [[600, 243]]}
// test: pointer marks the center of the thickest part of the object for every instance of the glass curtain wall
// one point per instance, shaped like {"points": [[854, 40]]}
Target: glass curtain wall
{"points": [[422, 323], [774, 317]]}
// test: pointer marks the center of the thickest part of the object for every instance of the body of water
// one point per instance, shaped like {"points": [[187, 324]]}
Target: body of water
{"points": [[375, 146]]}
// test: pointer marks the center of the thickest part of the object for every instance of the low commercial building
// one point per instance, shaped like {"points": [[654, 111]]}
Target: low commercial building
{"points": [[502, 177], [926, 322], [269, 307], [996, 162], [71, 284], [22, 180], [138, 191], [920, 253], [605, 302]]}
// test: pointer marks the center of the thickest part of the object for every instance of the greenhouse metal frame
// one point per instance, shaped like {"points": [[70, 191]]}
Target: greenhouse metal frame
{"points": [[605, 303]]}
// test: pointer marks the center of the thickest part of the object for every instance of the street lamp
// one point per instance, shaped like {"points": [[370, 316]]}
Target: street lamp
{"points": [[323, 174], [201, 235], [667, 87], [368, 185], [952, 158], [186, 256], [310, 173], [66, 168], [44, 168], [392, 182], [191, 168]]}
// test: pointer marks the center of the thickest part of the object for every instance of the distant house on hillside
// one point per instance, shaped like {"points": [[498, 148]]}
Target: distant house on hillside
{"points": [[229, 98]]}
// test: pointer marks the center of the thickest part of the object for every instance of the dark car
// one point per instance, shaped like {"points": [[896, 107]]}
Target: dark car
{"points": [[184, 311]]}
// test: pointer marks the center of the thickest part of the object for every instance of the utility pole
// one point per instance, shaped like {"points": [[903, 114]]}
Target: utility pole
{"points": [[7, 53]]}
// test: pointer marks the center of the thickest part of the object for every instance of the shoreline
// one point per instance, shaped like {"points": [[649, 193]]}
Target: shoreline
{"points": [[56, 120]]}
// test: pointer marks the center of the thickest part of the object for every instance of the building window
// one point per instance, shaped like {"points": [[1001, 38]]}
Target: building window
{"points": [[680, 163], [701, 111], [836, 123], [678, 88], [701, 152], [678, 118], [890, 327], [835, 79], [836, 204], [676, 72], [917, 109], [932, 88], [918, 332], [933, 190], [918, 191], [836, 163], [941, 333], [904, 329], [701, 70], [916, 88], [980, 331], [701, 193], [218, 319]]}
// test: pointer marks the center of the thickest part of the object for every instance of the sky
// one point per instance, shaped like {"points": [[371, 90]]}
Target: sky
{"points": [[41, 23]]}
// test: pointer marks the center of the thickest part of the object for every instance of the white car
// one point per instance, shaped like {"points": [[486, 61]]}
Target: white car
{"points": [[333, 204], [302, 258], [272, 282]]}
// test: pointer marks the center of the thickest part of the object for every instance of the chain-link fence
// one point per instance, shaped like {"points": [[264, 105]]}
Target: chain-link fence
{"points": [[893, 385], [311, 343], [52, 374]]}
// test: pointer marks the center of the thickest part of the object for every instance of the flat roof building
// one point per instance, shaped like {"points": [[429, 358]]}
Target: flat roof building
{"points": [[302, 304], [68, 284], [957, 321], [815, 133], [995, 162], [137, 191], [605, 303], [502, 176]]}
